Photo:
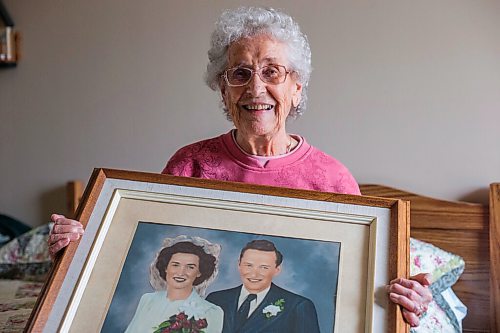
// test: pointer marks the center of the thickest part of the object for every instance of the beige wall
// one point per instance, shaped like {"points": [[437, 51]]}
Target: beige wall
{"points": [[405, 93]]}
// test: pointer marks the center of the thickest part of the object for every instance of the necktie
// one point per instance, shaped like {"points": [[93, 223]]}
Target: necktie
{"points": [[242, 314]]}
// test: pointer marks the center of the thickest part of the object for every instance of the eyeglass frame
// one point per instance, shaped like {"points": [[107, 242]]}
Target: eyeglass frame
{"points": [[255, 71]]}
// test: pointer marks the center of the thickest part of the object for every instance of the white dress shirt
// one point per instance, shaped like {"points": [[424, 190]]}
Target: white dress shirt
{"points": [[256, 302]]}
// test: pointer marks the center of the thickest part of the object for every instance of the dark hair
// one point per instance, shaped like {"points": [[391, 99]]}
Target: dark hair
{"points": [[207, 261], [263, 245]]}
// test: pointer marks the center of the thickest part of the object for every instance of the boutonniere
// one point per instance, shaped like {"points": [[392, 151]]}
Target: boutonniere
{"points": [[273, 309], [181, 323]]}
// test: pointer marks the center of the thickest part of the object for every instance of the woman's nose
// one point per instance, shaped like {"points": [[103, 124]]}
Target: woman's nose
{"points": [[256, 86]]}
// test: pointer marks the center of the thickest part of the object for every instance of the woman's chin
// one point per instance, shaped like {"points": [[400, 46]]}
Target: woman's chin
{"points": [[258, 124], [180, 285]]}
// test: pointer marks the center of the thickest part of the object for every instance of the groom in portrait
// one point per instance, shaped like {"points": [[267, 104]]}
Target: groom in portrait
{"points": [[258, 305]]}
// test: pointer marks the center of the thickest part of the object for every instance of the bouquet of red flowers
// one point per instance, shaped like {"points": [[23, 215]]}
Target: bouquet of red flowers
{"points": [[180, 323]]}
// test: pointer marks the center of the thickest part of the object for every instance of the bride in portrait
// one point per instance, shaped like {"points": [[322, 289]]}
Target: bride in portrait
{"points": [[180, 273]]}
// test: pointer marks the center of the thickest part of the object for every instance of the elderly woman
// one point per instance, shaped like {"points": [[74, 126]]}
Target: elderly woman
{"points": [[181, 271], [260, 62]]}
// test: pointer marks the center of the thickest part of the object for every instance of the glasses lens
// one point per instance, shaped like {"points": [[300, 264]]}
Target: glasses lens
{"points": [[239, 75], [273, 74]]}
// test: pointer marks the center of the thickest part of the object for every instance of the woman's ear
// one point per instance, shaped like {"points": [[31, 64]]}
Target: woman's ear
{"points": [[222, 88], [297, 95]]}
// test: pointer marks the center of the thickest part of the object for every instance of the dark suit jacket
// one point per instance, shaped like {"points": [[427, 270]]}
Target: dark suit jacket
{"points": [[298, 316]]}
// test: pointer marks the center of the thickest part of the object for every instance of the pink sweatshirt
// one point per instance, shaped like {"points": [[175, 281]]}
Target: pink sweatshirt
{"points": [[304, 168]]}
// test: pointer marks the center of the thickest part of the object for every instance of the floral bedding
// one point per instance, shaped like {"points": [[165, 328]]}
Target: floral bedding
{"points": [[24, 266], [17, 299], [445, 269]]}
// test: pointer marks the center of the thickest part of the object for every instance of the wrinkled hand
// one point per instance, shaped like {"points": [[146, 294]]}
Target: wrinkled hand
{"points": [[413, 295], [64, 231]]}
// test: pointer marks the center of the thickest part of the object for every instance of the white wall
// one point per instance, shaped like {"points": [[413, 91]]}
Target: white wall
{"points": [[405, 93]]}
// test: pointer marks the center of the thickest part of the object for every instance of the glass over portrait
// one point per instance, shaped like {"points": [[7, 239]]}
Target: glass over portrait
{"points": [[300, 257], [304, 251]]}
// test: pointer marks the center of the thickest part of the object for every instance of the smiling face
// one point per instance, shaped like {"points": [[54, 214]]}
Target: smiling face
{"points": [[257, 269], [259, 108], [182, 270]]}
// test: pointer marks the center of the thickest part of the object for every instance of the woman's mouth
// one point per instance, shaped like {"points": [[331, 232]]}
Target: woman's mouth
{"points": [[179, 279], [258, 107]]}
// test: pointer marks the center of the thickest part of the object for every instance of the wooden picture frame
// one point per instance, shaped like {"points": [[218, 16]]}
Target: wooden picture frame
{"points": [[373, 235]]}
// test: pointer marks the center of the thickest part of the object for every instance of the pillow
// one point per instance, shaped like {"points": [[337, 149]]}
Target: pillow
{"points": [[435, 320], [10, 228], [26, 257], [445, 269]]}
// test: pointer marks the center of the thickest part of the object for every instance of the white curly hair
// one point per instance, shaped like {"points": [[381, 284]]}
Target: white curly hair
{"points": [[244, 22]]}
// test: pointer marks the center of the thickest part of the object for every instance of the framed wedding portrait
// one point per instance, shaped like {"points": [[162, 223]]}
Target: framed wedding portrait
{"points": [[338, 251]]}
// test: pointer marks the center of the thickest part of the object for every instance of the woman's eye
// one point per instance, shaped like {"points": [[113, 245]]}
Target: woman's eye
{"points": [[270, 72], [240, 73]]}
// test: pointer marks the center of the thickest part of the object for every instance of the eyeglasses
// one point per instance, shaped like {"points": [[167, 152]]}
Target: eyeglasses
{"points": [[240, 76]]}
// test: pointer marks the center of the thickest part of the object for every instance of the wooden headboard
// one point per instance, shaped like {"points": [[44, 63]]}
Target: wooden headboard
{"points": [[464, 229], [458, 227]]}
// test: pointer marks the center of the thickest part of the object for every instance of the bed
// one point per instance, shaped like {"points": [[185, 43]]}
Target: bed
{"points": [[471, 231]]}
